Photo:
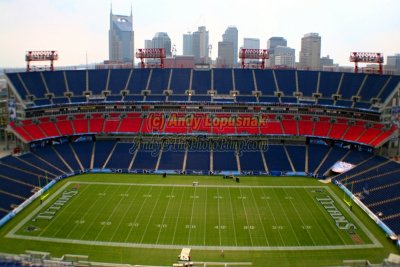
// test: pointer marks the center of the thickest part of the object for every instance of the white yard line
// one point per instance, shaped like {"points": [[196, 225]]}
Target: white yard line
{"points": [[273, 216], [94, 220], [233, 219], [301, 219], [137, 215], [191, 215], [205, 220], [111, 215], [177, 217], [287, 219], [247, 219], [151, 215], [125, 214], [325, 214], [259, 217], [165, 214], [219, 219], [76, 211]]}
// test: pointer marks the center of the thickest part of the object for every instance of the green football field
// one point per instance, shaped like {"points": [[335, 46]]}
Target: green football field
{"points": [[143, 213]]}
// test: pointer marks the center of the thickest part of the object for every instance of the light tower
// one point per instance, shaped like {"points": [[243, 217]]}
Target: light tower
{"points": [[154, 53], [253, 54], [366, 57], [40, 56]]}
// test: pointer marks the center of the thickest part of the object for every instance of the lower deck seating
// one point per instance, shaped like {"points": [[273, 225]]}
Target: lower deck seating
{"points": [[374, 179]]}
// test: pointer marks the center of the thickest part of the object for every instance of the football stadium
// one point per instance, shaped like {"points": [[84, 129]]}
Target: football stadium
{"points": [[200, 167]]}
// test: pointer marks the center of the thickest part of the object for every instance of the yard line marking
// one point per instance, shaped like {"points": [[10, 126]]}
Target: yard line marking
{"points": [[151, 215], [177, 217], [98, 215], [137, 214], [325, 215], [301, 219], [273, 216], [247, 219], [205, 219], [191, 215], [219, 219], [259, 216], [165, 213], [126, 212], [233, 219], [286, 217], [111, 215], [77, 211]]}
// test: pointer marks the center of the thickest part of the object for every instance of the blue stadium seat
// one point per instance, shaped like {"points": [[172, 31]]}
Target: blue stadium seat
{"points": [[244, 81], [223, 83], [180, 81], [286, 80], [201, 82], [308, 81], [76, 81], [265, 82], [97, 81], [118, 80], [121, 156], [276, 159], [55, 82], [297, 155]]}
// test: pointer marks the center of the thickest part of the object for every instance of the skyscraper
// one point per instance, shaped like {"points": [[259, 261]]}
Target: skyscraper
{"points": [[200, 45], [231, 35], [225, 55], [121, 38], [187, 44], [310, 53], [274, 42], [251, 43], [284, 56], [162, 40]]}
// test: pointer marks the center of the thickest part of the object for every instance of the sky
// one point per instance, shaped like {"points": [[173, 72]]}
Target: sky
{"points": [[78, 29]]}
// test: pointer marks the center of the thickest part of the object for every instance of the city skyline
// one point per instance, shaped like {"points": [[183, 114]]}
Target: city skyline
{"points": [[79, 29]]}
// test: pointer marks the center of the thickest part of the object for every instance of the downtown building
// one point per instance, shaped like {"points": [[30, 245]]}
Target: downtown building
{"points": [[310, 53], [121, 39], [197, 44], [162, 40], [228, 49]]}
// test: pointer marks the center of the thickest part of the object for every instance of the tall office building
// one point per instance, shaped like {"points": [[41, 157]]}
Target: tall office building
{"points": [[148, 44], [274, 42], [284, 56], [251, 43], [162, 40], [187, 44], [121, 38], [231, 35], [393, 62], [310, 53], [200, 45], [225, 55]]}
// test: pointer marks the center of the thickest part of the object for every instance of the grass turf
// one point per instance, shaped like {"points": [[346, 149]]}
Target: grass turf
{"points": [[222, 215]]}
